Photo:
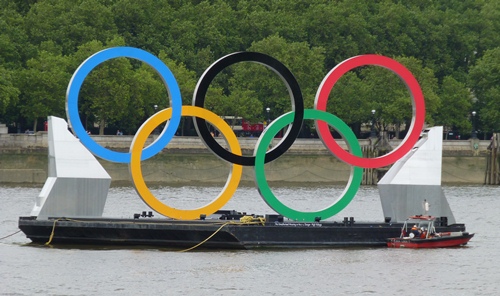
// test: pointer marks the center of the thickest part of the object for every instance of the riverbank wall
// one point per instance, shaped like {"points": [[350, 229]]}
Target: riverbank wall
{"points": [[23, 160]]}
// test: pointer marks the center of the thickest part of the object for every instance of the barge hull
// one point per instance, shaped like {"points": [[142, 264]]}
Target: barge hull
{"points": [[168, 233]]}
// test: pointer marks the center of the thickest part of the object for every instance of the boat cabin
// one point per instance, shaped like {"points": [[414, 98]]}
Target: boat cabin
{"points": [[420, 226]]}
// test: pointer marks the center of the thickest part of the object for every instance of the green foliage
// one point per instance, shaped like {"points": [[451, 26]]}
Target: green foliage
{"points": [[70, 23], [485, 83], [456, 103], [43, 84], [379, 89], [305, 63], [8, 92], [441, 42]]}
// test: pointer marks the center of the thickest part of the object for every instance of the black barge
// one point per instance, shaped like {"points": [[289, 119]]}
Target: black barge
{"points": [[223, 231]]}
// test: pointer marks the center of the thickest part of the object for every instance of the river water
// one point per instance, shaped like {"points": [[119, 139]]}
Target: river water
{"points": [[27, 269]]}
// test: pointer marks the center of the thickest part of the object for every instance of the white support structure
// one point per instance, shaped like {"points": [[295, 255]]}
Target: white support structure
{"points": [[416, 179], [77, 184]]}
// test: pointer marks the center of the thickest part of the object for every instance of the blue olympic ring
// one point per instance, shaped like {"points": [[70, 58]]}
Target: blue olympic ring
{"points": [[87, 66]]}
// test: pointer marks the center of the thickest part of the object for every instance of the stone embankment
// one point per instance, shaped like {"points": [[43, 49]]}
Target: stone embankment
{"points": [[23, 159]]}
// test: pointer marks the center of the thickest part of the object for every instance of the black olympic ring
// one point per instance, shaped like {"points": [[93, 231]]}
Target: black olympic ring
{"points": [[293, 89]]}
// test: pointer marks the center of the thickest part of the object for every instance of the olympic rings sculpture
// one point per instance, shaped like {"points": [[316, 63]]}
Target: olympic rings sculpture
{"points": [[261, 156]]}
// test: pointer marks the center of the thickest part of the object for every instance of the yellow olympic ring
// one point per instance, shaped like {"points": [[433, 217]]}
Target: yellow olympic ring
{"points": [[136, 170]]}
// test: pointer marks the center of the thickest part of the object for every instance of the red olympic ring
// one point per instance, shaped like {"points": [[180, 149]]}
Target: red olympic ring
{"points": [[418, 110]]}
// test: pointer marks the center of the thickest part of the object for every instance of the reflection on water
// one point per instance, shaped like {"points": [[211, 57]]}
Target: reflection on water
{"points": [[471, 270]]}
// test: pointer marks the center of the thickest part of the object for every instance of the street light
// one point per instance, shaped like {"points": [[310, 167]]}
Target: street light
{"points": [[474, 133], [156, 128], [372, 132], [268, 117]]}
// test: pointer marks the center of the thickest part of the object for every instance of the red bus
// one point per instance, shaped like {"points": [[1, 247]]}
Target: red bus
{"points": [[242, 127]]}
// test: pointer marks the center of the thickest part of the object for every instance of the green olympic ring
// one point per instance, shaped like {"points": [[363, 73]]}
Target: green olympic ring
{"points": [[260, 178]]}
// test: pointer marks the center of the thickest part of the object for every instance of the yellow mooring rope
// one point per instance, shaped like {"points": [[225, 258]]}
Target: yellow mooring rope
{"points": [[252, 219], [52, 233], [205, 240], [243, 220]]}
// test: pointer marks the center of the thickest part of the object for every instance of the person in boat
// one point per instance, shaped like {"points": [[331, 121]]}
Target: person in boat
{"points": [[423, 232], [417, 232]]}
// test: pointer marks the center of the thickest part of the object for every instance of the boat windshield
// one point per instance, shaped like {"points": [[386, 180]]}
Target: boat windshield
{"points": [[417, 227], [424, 224]]}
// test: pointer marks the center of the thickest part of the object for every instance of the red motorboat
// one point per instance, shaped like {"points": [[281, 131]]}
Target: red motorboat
{"points": [[420, 232]]}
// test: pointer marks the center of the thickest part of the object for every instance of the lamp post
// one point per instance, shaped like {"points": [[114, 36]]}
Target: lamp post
{"points": [[156, 128], [268, 117], [474, 132], [372, 132]]}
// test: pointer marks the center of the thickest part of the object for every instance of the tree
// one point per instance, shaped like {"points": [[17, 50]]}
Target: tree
{"points": [[70, 23], [348, 101], [105, 95], [144, 24], [186, 79], [382, 90], [145, 90], [448, 37], [15, 48], [456, 103], [484, 79], [305, 63], [43, 85], [8, 92]]}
